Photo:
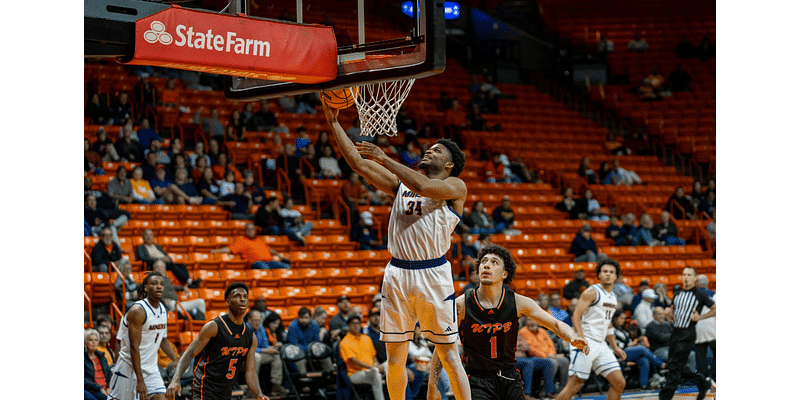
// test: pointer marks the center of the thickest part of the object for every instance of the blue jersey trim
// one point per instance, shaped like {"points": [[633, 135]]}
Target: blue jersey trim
{"points": [[421, 264], [454, 212]]}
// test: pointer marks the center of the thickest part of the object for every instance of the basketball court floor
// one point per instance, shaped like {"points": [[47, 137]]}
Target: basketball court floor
{"points": [[683, 393]]}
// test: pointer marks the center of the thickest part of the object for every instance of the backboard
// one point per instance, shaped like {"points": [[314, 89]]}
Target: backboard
{"points": [[376, 43]]}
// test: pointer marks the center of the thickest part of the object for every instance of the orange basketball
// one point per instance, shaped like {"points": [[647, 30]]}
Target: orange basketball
{"points": [[341, 98]]}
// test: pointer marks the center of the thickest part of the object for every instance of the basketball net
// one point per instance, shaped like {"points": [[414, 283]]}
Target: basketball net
{"points": [[378, 104]]}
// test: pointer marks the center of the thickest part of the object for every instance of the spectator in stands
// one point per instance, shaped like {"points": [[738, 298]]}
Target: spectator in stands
{"points": [[479, 221], [223, 166], [653, 86], [604, 46], [570, 206], [628, 232], [663, 299], [131, 292], [250, 186], [255, 251], [360, 358], [127, 147], [680, 205], [463, 248], [613, 230], [498, 170], [212, 125], [105, 251], [455, 120], [150, 164], [120, 110], [354, 132], [711, 188], [162, 187], [149, 252], [576, 286], [378, 197], [518, 169], [276, 333], [643, 314], [705, 50], [644, 235], [98, 220], [320, 316], [199, 152], [364, 233], [658, 332], [338, 323], [636, 349], [593, 210], [484, 239], [95, 111], [329, 165], [474, 279], [293, 220], [268, 217], [555, 307], [142, 192], [708, 204], [213, 152], [104, 336], [637, 298], [238, 123], [603, 173], [684, 49], [92, 162], [266, 353], [623, 292], [503, 216], [307, 169], [302, 332], [405, 123], [621, 176], [195, 307], [96, 373], [583, 246], [104, 146], [170, 95], [184, 190], [475, 118], [373, 330], [239, 203], [120, 188], [585, 171], [679, 80], [145, 94], [263, 120], [228, 184], [175, 148], [145, 136], [199, 168], [105, 203], [411, 154], [666, 231], [353, 191], [536, 352], [207, 186], [637, 44]]}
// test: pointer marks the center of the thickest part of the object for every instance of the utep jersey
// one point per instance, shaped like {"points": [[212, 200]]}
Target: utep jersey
{"points": [[597, 318], [420, 227], [489, 335], [222, 360], [154, 329]]}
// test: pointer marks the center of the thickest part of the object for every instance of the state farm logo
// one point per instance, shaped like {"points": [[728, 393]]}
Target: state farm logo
{"points": [[157, 33], [187, 36]]}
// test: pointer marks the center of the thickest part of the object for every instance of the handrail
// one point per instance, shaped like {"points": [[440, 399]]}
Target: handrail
{"points": [[671, 205], [117, 271], [310, 167], [283, 176], [89, 304], [340, 201]]}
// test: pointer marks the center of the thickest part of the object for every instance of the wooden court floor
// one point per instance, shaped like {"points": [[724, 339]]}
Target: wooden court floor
{"points": [[680, 394]]}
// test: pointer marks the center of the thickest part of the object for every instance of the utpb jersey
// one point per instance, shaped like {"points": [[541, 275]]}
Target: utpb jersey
{"points": [[420, 227], [489, 335], [597, 318], [154, 329], [222, 360]]}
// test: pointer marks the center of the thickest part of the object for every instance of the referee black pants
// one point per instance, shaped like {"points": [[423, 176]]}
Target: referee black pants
{"points": [[680, 345]]}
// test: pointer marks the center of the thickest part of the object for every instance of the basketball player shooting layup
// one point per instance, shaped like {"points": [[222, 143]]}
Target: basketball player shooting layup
{"points": [[141, 333], [417, 283], [488, 319], [592, 320], [225, 348]]}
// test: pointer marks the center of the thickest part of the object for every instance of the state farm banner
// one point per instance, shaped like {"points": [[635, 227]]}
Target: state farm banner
{"points": [[236, 45]]}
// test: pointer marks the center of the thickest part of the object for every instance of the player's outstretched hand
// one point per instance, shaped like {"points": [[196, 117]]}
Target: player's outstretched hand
{"points": [[370, 149], [262, 396], [580, 344], [330, 112], [173, 388]]}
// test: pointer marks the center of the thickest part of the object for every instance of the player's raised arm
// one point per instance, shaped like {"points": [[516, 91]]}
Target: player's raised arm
{"points": [[373, 172], [448, 188], [529, 308], [208, 331]]}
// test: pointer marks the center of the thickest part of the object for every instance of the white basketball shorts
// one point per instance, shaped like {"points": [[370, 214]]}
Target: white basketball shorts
{"points": [[601, 359], [122, 385], [418, 291]]}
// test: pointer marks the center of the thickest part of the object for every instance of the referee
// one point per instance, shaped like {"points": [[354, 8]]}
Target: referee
{"points": [[687, 305]]}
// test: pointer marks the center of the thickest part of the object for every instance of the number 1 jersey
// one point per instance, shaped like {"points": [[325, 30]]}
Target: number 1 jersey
{"points": [[489, 335]]}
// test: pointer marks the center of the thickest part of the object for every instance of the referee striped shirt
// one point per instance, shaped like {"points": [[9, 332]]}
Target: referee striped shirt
{"points": [[686, 302]]}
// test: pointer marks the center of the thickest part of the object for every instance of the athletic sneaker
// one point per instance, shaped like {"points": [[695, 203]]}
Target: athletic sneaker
{"points": [[706, 384]]}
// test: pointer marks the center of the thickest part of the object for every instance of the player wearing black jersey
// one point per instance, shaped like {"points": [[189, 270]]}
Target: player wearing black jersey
{"points": [[224, 347], [488, 321]]}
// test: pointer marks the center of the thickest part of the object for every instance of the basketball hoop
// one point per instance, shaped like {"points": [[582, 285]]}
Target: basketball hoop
{"points": [[378, 104]]}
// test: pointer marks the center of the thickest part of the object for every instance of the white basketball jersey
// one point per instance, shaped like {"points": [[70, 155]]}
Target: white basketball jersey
{"points": [[420, 227], [154, 329], [596, 320]]}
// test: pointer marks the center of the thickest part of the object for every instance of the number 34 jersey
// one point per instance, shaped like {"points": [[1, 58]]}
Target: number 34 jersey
{"points": [[489, 335], [420, 227]]}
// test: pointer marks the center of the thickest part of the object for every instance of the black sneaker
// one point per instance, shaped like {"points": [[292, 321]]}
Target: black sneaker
{"points": [[706, 384], [195, 283]]}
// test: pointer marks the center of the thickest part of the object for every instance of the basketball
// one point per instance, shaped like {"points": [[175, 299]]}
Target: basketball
{"points": [[341, 98]]}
